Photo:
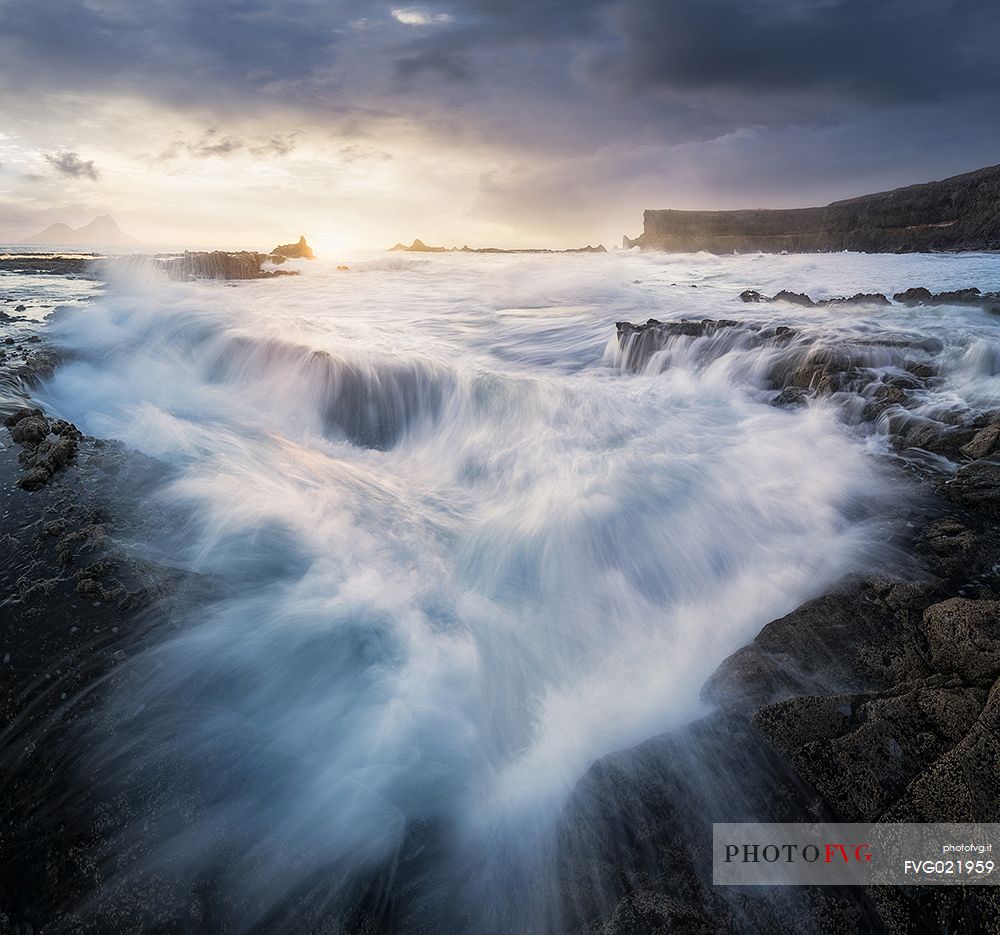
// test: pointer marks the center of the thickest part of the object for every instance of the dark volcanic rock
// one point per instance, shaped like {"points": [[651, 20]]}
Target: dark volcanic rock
{"points": [[691, 329], [959, 213], [878, 700], [223, 264], [990, 301], [985, 442], [792, 396], [46, 447], [913, 296], [859, 298], [795, 298], [53, 264], [909, 431], [800, 298], [220, 265], [977, 486], [963, 638]]}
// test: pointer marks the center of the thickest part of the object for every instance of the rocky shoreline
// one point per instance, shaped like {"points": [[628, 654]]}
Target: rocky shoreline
{"points": [[878, 701], [78, 599]]}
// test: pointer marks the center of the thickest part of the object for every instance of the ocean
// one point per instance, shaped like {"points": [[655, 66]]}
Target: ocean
{"points": [[462, 544]]}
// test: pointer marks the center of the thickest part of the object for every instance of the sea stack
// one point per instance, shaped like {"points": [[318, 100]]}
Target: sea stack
{"points": [[293, 251]]}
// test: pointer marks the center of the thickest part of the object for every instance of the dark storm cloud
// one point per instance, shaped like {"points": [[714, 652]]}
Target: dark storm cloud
{"points": [[553, 77], [292, 49], [70, 164], [169, 48], [450, 65], [869, 51]]}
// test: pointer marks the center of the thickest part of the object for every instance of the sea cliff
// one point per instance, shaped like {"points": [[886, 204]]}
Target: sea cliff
{"points": [[956, 214]]}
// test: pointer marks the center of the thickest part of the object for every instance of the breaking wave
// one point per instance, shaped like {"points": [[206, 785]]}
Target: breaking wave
{"points": [[461, 543]]}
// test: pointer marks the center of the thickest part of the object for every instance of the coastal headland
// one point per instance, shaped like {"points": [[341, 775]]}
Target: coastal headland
{"points": [[961, 213]]}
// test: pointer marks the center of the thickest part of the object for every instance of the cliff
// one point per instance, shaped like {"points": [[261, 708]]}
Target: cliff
{"points": [[960, 213]]}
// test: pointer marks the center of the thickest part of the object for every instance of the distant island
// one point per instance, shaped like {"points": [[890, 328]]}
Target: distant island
{"points": [[961, 213], [418, 246], [103, 231]]}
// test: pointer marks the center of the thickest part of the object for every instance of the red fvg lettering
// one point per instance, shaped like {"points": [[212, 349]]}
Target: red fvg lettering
{"points": [[861, 853]]}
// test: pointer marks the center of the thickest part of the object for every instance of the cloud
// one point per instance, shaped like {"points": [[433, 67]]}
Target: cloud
{"points": [[355, 153], [215, 144], [868, 52], [452, 66], [693, 68], [417, 17], [70, 164], [783, 100]]}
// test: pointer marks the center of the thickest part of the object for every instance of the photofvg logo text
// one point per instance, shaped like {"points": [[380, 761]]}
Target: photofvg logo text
{"points": [[828, 853], [846, 854]]}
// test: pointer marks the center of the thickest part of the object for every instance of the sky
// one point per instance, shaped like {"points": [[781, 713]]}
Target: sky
{"points": [[235, 123]]}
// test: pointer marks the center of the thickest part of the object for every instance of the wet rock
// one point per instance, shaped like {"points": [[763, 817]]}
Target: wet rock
{"points": [[861, 752], [977, 486], [88, 587], [860, 636], [55, 527], [30, 430], [46, 447], [985, 442], [949, 545], [913, 296], [20, 308], [971, 296], [33, 479], [791, 397], [800, 298], [692, 329], [919, 370], [908, 431], [219, 264], [640, 342], [990, 301], [859, 298], [963, 638], [825, 371], [963, 785], [652, 911], [639, 823], [793, 298], [886, 396]]}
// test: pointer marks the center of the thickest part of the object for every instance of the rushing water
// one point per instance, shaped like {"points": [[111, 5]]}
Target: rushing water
{"points": [[464, 548]]}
